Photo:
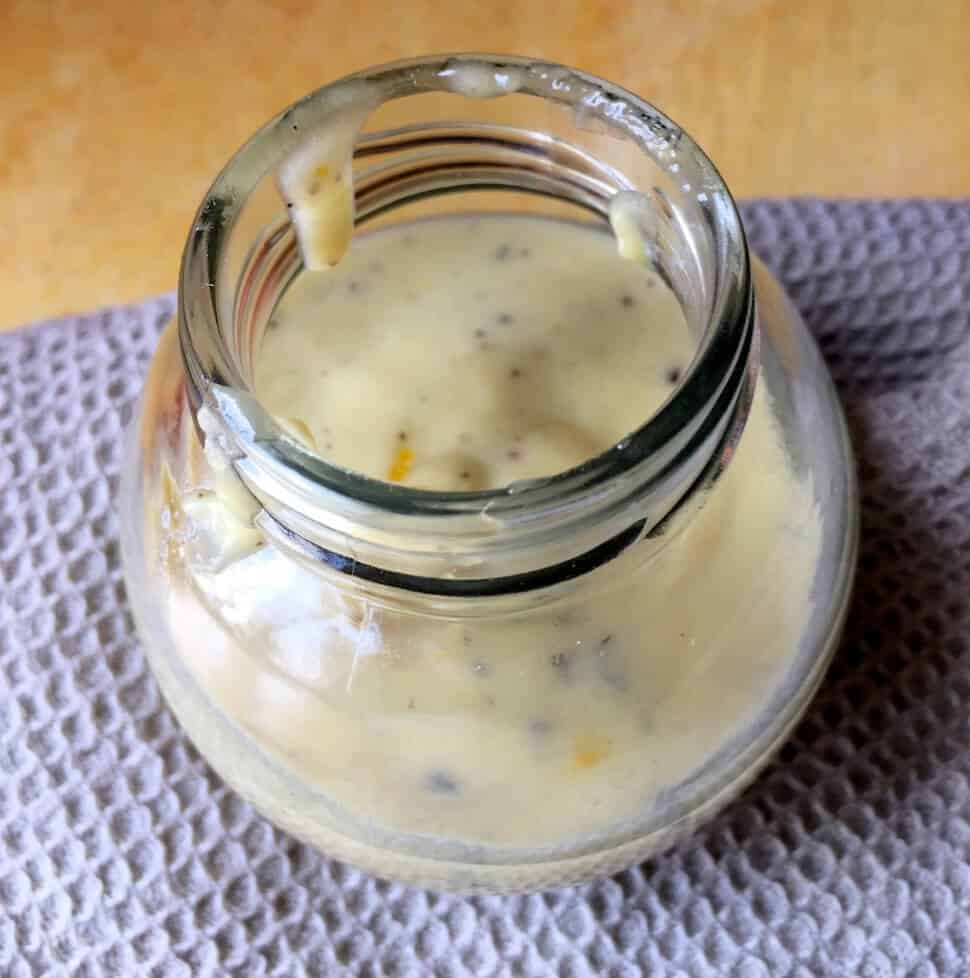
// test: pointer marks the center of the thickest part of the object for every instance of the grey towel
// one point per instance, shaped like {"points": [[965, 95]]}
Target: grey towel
{"points": [[122, 854]]}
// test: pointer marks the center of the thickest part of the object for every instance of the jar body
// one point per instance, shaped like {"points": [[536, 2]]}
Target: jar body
{"points": [[502, 746]]}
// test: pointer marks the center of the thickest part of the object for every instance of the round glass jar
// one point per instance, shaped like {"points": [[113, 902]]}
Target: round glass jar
{"points": [[511, 688]]}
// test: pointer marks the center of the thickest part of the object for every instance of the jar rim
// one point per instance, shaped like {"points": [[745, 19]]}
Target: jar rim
{"points": [[596, 486]]}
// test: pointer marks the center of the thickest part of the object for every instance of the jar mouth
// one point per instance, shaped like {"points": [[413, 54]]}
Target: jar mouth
{"points": [[700, 221]]}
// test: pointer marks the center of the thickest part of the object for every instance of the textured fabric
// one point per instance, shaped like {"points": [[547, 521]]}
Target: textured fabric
{"points": [[122, 854]]}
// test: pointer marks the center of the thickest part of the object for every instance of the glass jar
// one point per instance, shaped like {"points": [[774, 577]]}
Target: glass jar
{"points": [[504, 689]]}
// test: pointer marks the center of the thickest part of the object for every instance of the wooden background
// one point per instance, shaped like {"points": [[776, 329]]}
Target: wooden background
{"points": [[114, 115]]}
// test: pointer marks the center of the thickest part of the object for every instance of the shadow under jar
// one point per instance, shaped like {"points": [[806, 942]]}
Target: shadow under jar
{"points": [[529, 682]]}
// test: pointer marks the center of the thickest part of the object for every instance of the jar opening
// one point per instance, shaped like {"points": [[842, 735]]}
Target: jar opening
{"points": [[477, 124]]}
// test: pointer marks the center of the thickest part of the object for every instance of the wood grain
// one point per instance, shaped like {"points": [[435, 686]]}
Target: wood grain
{"points": [[115, 116]]}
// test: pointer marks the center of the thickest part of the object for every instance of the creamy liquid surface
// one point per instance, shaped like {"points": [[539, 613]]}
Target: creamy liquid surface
{"points": [[471, 353]]}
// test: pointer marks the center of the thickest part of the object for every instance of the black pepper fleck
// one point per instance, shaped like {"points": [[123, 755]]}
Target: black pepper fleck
{"points": [[515, 373], [481, 333], [505, 319], [626, 300], [514, 454], [411, 703], [402, 436], [502, 252], [442, 783], [672, 375], [465, 474], [540, 727]]}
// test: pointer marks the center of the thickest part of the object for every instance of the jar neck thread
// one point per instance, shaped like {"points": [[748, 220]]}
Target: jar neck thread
{"points": [[527, 537]]}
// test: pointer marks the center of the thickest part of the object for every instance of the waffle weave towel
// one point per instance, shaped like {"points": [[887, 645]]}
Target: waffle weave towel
{"points": [[122, 854]]}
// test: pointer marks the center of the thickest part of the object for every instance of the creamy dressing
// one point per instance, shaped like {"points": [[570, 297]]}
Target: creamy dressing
{"points": [[467, 353], [470, 353], [480, 80], [316, 182]]}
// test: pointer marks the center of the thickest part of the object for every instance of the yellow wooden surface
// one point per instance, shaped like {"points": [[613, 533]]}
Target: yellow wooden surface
{"points": [[115, 114]]}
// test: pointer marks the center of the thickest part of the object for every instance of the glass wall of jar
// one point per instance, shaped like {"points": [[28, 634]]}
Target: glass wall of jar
{"points": [[514, 686]]}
